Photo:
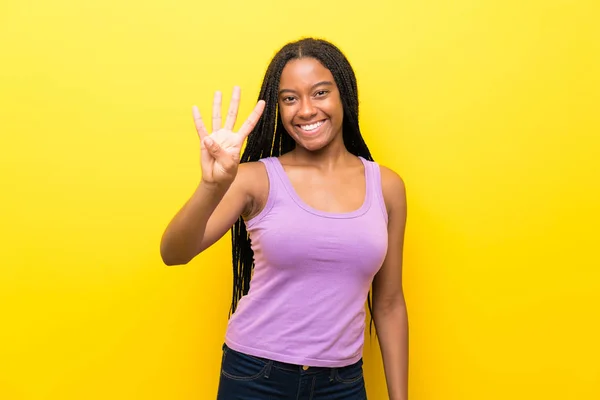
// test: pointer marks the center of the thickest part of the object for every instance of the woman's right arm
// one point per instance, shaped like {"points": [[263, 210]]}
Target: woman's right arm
{"points": [[209, 213], [225, 191]]}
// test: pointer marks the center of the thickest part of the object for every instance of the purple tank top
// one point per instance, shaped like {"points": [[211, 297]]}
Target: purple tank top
{"points": [[312, 274]]}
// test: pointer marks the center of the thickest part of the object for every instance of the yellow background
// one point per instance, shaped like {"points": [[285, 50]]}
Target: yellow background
{"points": [[488, 109]]}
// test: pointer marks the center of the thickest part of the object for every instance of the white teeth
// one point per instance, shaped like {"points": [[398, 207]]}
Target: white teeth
{"points": [[311, 127]]}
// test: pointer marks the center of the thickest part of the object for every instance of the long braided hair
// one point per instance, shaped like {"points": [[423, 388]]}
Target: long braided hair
{"points": [[270, 139]]}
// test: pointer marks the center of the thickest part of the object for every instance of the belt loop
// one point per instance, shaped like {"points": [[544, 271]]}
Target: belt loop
{"points": [[332, 374], [268, 368]]}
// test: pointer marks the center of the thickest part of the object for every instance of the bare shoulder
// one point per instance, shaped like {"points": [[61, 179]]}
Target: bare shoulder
{"points": [[394, 189], [254, 181], [253, 169]]}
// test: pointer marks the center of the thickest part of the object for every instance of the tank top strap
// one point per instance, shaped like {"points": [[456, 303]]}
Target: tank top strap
{"points": [[374, 186], [269, 163], [276, 175]]}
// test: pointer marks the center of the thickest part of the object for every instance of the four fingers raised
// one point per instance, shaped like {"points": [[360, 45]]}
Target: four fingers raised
{"points": [[246, 127]]}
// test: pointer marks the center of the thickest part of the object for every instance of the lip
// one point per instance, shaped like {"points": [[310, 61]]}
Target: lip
{"points": [[313, 132]]}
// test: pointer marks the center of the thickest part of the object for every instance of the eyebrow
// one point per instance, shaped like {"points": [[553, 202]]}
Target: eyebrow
{"points": [[326, 83]]}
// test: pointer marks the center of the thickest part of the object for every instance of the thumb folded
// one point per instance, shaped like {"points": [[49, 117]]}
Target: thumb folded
{"points": [[211, 145]]}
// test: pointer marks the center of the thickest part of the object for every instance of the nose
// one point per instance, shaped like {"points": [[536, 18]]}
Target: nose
{"points": [[307, 110]]}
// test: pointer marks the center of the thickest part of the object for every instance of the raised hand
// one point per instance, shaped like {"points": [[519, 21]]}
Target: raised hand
{"points": [[220, 151]]}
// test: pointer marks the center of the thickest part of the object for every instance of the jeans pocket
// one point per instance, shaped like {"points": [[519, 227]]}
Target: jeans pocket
{"points": [[350, 374], [242, 367]]}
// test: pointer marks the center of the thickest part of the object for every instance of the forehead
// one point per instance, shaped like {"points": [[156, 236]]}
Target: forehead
{"points": [[303, 72]]}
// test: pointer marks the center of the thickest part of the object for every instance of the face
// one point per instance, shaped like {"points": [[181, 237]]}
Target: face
{"points": [[309, 104]]}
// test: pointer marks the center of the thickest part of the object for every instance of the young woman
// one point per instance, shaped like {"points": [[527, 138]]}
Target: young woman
{"points": [[315, 224]]}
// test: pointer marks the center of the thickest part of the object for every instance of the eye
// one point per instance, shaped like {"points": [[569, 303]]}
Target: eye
{"points": [[321, 93], [287, 99]]}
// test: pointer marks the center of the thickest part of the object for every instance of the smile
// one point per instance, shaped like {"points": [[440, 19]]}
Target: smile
{"points": [[311, 127]]}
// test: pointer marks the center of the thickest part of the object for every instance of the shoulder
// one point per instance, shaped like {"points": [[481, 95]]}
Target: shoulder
{"points": [[393, 188], [252, 168], [252, 175]]}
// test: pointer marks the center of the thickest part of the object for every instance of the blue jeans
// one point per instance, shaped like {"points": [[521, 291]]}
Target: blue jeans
{"points": [[245, 377]]}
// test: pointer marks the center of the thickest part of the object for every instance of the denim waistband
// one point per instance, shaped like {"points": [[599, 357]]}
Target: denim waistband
{"points": [[287, 366]]}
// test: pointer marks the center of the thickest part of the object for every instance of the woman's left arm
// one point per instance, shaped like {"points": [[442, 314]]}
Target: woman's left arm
{"points": [[389, 307]]}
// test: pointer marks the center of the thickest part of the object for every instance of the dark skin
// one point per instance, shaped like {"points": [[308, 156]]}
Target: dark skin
{"points": [[324, 175]]}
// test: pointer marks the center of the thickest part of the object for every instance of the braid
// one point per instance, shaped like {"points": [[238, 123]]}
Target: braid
{"points": [[270, 139]]}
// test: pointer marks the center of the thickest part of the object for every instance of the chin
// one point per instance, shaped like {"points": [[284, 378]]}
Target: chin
{"points": [[312, 145], [308, 141]]}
